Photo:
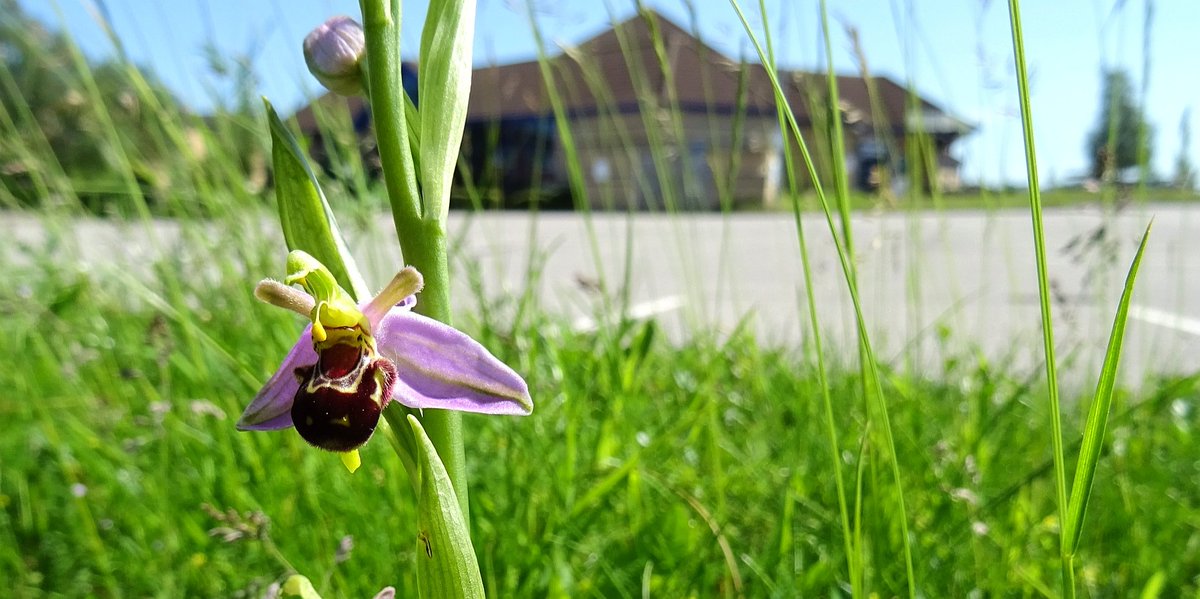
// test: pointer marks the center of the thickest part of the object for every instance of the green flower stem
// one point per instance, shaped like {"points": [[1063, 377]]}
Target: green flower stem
{"points": [[424, 248], [422, 237], [381, 29]]}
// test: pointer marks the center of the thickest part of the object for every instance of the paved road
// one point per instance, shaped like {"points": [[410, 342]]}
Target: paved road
{"points": [[967, 274]]}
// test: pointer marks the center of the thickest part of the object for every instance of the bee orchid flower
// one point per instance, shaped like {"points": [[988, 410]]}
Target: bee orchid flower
{"points": [[355, 358]]}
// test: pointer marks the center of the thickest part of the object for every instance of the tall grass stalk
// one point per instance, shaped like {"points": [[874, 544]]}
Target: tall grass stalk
{"points": [[43, 154], [575, 177], [851, 541], [688, 193], [618, 134], [124, 165], [666, 142], [838, 144], [1143, 133], [875, 393], [1039, 241], [677, 134], [1073, 507]]}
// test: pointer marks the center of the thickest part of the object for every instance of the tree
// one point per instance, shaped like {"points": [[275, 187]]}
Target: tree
{"points": [[1122, 137], [1185, 173], [94, 130], [69, 121]]}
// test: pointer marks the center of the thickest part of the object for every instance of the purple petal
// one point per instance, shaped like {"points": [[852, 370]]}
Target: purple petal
{"points": [[439, 366], [272, 406]]}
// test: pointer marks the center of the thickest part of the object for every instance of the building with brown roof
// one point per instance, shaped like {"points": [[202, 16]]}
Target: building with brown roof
{"points": [[646, 115]]}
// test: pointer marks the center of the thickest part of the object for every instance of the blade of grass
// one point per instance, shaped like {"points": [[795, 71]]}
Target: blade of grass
{"points": [[837, 143], [575, 178], [1039, 240], [112, 136], [868, 354], [1093, 431], [848, 539]]}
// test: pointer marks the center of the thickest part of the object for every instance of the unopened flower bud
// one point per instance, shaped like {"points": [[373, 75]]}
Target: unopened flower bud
{"points": [[334, 52]]}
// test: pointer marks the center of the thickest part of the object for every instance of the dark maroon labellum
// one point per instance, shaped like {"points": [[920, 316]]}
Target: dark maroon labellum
{"points": [[341, 397]]}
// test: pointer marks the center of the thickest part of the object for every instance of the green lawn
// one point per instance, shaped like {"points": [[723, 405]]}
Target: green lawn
{"points": [[996, 200], [646, 470]]}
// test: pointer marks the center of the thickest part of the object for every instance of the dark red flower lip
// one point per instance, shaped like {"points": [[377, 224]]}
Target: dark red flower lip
{"points": [[341, 413]]}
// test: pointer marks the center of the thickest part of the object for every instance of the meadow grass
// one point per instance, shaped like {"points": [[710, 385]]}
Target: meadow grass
{"points": [[719, 465], [989, 200], [697, 469]]}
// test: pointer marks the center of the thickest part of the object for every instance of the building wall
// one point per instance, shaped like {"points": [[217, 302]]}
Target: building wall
{"points": [[700, 162], [629, 161]]}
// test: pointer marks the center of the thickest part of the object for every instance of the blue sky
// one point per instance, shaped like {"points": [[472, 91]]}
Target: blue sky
{"points": [[956, 52]]}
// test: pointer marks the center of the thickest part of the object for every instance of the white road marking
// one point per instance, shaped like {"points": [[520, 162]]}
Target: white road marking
{"points": [[1163, 318], [638, 311]]}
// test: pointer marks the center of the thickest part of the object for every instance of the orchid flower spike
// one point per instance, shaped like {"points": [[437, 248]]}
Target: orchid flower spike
{"points": [[355, 358]]}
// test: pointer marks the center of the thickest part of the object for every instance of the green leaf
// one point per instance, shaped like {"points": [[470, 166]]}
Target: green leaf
{"points": [[443, 85], [1154, 586], [308, 222], [300, 586], [1093, 431], [413, 117], [446, 563]]}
